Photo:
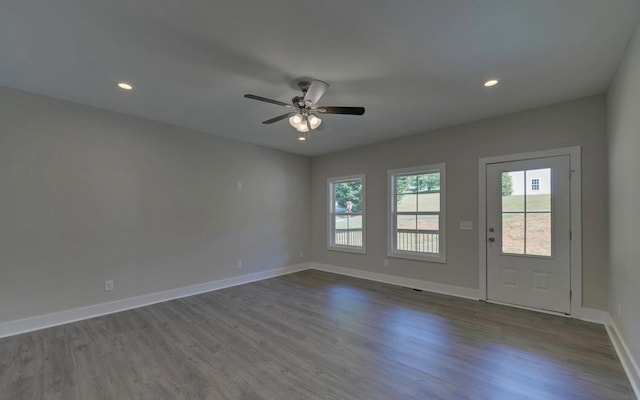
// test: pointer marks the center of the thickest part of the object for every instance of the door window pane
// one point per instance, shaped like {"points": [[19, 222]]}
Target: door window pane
{"points": [[539, 234], [539, 189], [513, 191], [526, 212], [513, 233]]}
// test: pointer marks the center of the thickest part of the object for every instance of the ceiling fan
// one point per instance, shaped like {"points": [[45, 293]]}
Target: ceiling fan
{"points": [[304, 115]]}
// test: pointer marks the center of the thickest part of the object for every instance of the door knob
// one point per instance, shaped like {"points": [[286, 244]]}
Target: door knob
{"points": [[492, 239]]}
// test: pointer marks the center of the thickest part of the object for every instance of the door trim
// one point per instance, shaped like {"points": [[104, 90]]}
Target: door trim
{"points": [[575, 154]]}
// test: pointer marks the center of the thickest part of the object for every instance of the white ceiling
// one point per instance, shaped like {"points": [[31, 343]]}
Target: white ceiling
{"points": [[415, 65]]}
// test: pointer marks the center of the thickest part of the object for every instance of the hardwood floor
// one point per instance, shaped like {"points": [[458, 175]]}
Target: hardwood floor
{"points": [[314, 335]]}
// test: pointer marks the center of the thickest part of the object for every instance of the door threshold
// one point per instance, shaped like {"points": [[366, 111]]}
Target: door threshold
{"points": [[540, 310]]}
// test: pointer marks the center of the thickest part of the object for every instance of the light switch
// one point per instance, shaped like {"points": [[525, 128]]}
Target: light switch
{"points": [[466, 225]]}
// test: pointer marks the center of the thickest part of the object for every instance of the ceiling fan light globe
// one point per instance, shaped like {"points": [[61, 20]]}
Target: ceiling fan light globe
{"points": [[302, 128], [314, 122], [295, 120]]}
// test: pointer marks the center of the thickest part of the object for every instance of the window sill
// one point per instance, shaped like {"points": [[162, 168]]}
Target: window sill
{"points": [[348, 249], [440, 259]]}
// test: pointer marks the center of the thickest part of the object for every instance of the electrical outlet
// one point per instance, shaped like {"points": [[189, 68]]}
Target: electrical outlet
{"points": [[619, 310], [385, 262], [239, 264], [108, 285], [239, 185], [301, 254]]}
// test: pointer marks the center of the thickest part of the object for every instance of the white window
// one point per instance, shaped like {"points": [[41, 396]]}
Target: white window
{"points": [[347, 213], [417, 213], [535, 184]]}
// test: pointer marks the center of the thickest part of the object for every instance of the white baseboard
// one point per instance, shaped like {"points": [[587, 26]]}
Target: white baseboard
{"points": [[626, 358], [63, 317], [592, 315], [429, 286]]}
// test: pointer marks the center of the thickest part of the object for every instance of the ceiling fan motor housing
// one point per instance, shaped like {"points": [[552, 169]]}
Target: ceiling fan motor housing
{"points": [[304, 86], [298, 101]]}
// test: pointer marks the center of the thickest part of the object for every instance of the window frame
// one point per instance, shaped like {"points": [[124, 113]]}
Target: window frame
{"points": [[331, 212], [392, 251]]}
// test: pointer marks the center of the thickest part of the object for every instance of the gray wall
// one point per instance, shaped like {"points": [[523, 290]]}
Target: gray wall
{"points": [[580, 122], [88, 195], [624, 196]]}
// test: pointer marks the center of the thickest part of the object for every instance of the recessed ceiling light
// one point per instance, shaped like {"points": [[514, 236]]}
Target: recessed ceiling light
{"points": [[124, 85], [491, 82]]}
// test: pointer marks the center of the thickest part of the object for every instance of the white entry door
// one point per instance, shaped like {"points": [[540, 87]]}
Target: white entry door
{"points": [[528, 233]]}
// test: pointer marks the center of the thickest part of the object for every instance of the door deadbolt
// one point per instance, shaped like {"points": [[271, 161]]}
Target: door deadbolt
{"points": [[491, 229]]}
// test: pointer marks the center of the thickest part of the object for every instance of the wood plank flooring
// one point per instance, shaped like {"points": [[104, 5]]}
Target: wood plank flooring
{"points": [[314, 335]]}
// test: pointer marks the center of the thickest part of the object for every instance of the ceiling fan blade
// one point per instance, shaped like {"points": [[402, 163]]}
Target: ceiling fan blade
{"points": [[266, 100], [278, 118], [315, 92], [340, 110]]}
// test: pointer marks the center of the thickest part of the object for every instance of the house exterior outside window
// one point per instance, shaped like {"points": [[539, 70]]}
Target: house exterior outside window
{"points": [[535, 184]]}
